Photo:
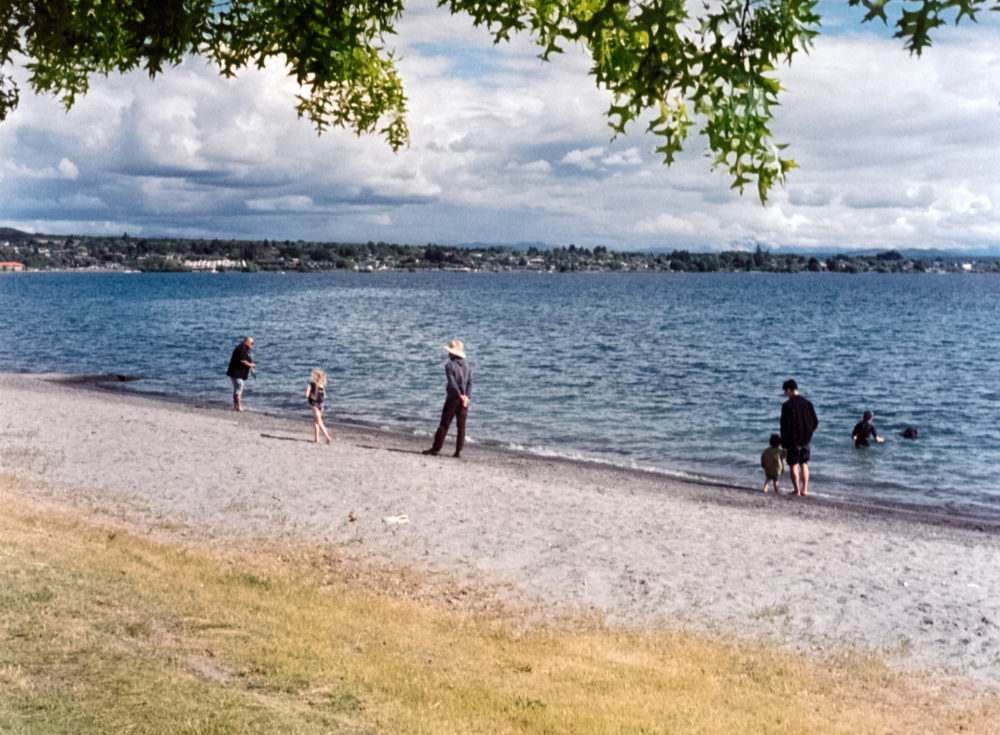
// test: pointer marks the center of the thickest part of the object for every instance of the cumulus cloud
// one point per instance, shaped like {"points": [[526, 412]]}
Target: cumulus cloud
{"points": [[65, 169], [664, 224], [629, 157], [583, 159], [540, 166]]}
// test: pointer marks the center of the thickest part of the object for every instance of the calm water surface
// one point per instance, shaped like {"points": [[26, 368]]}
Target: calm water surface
{"points": [[677, 372]]}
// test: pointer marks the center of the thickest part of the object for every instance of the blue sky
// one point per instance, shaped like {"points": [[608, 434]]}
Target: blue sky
{"points": [[894, 152]]}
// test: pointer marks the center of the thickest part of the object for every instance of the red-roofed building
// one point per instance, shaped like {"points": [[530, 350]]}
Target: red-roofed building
{"points": [[11, 266]]}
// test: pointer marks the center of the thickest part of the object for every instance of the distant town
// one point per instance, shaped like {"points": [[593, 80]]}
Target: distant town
{"points": [[22, 251]]}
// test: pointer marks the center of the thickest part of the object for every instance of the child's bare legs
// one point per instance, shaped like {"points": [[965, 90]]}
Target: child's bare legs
{"points": [[768, 480], [318, 425]]}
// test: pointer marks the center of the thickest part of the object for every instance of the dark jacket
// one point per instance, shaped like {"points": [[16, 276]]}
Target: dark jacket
{"points": [[798, 422], [459, 376], [236, 367]]}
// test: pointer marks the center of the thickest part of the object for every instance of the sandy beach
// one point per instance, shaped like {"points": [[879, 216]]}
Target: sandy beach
{"points": [[629, 547]]}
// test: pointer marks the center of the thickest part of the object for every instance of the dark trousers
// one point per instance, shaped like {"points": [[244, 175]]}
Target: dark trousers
{"points": [[453, 408]]}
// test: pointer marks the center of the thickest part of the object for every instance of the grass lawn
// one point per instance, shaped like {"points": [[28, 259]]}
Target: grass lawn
{"points": [[105, 632]]}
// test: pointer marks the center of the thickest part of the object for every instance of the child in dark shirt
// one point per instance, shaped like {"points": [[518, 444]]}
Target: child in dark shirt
{"points": [[863, 430], [772, 460]]}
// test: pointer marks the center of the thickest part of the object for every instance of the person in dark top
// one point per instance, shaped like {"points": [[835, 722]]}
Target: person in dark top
{"points": [[240, 366], [798, 422], [456, 402], [863, 430]]}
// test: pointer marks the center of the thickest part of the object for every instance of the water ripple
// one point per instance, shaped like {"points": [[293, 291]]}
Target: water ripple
{"points": [[680, 372]]}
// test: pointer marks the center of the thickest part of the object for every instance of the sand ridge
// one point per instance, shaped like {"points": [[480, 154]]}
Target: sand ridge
{"points": [[630, 547]]}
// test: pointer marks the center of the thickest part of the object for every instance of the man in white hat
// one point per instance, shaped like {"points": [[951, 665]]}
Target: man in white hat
{"points": [[456, 403]]}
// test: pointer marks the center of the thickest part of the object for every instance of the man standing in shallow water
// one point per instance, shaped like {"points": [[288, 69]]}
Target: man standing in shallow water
{"points": [[798, 422]]}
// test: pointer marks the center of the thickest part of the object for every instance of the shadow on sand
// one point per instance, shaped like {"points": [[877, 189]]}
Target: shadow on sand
{"points": [[286, 438]]}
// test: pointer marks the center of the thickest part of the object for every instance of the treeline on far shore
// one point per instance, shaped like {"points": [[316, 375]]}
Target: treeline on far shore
{"points": [[125, 253]]}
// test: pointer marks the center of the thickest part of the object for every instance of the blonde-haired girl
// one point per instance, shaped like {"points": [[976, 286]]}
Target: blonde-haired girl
{"points": [[315, 394]]}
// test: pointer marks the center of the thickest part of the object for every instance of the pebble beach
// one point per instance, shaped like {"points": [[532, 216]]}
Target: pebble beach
{"points": [[629, 547]]}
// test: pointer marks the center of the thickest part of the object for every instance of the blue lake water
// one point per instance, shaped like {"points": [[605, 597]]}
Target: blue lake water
{"points": [[680, 373]]}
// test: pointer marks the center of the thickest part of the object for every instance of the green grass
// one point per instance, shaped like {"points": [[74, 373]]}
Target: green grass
{"points": [[105, 632]]}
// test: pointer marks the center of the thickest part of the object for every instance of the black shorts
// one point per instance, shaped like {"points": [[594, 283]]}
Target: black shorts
{"points": [[798, 455]]}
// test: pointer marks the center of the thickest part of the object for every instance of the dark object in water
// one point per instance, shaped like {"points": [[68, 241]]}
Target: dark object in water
{"points": [[909, 433]]}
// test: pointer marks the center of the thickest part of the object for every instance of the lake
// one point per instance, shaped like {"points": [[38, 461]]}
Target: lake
{"points": [[680, 373]]}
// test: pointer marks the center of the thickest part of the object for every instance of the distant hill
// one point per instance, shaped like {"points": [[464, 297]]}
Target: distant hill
{"points": [[822, 253], [945, 254], [10, 233]]}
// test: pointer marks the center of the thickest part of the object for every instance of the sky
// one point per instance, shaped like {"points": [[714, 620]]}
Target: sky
{"points": [[894, 152]]}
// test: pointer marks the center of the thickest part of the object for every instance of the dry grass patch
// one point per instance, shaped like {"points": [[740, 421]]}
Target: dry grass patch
{"points": [[106, 632]]}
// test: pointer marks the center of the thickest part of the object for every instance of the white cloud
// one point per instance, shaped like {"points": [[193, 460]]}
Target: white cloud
{"points": [[292, 203], [379, 220], [889, 194], [540, 166], [584, 159], [963, 201], [171, 196], [664, 224], [65, 169], [402, 182], [630, 157], [167, 131]]}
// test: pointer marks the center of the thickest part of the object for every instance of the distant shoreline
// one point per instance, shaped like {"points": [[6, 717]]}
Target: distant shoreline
{"points": [[511, 271], [38, 251]]}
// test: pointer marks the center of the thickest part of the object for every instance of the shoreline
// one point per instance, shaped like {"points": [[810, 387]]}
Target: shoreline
{"points": [[691, 409], [627, 546], [114, 383]]}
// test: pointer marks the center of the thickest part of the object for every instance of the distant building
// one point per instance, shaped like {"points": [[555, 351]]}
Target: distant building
{"points": [[215, 264], [11, 266]]}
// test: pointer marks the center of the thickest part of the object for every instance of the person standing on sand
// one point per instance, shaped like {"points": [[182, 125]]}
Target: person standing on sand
{"points": [[240, 366], [456, 403], [798, 422], [772, 460], [863, 430], [315, 394]]}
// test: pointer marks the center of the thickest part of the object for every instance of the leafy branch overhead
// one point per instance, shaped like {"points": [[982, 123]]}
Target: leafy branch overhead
{"points": [[663, 64]]}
